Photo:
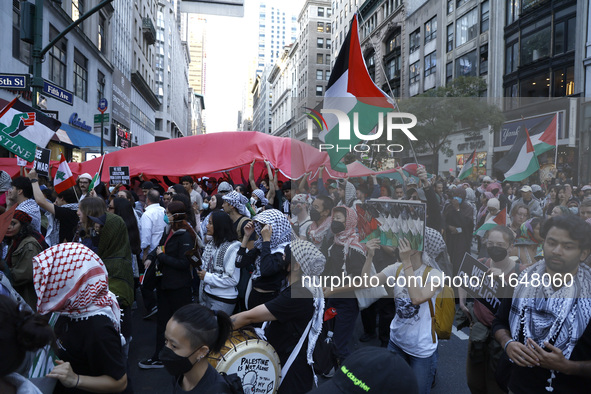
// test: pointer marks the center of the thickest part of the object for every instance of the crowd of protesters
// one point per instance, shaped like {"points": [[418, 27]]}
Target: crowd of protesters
{"points": [[92, 255]]}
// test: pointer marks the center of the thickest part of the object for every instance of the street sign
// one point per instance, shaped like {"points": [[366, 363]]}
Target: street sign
{"points": [[103, 105], [58, 93], [14, 81], [98, 117]]}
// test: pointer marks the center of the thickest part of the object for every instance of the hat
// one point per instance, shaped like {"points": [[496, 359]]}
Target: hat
{"points": [[371, 369], [86, 175], [487, 179], [421, 194], [22, 216], [100, 220], [494, 203], [300, 199], [586, 187], [332, 184], [147, 185], [526, 188], [225, 187], [536, 188]]}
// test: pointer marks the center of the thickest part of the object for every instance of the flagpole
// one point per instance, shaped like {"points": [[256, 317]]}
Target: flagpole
{"points": [[9, 105], [395, 104]]}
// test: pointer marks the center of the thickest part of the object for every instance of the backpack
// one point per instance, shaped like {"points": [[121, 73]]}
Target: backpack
{"points": [[324, 354], [443, 313]]}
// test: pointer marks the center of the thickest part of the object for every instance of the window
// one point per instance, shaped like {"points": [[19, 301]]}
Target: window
{"points": [[329, 12], [414, 40], [511, 58], [431, 30], [430, 63], [20, 49], [327, 75], [320, 27], [319, 74], [466, 65], [100, 86], [327, 59], [564, 84], [512, 11], [449, 72], [321, 11], [77, 9], [460, 3], [535, 46], [320, 43], [484, 59], [370, 63], [328, 27], [450, 6], [57, 59], [450, 37], [466, 27], [393, 43], [80, 75], [536, 86], [319, 58], [484, 15], [393, 68], [564, 36], [415, 72], [318, 90], [101, 41], [328, 43]]}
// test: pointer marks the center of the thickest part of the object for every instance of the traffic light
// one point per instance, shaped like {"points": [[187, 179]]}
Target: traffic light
{"points": [[27, 22]]}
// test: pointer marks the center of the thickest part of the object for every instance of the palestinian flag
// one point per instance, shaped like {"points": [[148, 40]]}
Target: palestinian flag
{"points": [[351, 90], [499, 219], [468, 166], [23, 129], [544, 136], [521, 161], [96, 179], [63, 179]]}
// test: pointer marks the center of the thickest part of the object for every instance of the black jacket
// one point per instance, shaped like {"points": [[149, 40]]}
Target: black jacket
{"points": [[173, 264]]}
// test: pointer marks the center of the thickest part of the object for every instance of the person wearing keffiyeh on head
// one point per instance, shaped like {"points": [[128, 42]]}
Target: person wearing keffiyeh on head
{"points": [[300, 218], [71, 281], [297, 305], [274, 234], [24, 244], [237, 201], [260, 201], [4, 187]]}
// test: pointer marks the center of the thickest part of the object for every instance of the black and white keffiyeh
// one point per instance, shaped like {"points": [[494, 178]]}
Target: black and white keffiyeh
{"points": [[280, 235], [261, 196], [238, 201]]}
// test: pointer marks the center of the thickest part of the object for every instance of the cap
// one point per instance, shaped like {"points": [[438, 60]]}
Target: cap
{"points": [[586, 187], [225, 187], [374, 370], [147, 185], [536, 188], [526, 188], [332, 185], [86, 175], [100, 220], [487, 179]]}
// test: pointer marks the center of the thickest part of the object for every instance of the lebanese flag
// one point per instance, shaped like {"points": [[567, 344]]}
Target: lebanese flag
{"points": [[521, 161], [544, 136], [468, 166], [499, 219], [351, 90], [63, 179]]}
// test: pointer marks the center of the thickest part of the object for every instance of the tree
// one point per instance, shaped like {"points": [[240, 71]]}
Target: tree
{"points": [[447, 110]]}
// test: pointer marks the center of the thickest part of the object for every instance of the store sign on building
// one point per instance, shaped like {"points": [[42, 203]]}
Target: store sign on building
{"points": [[123, 138], [510, 130], [121, 97], [77, 122], [471, 143]]}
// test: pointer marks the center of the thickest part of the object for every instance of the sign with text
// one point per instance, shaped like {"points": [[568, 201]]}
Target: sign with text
{"points": [[121, 102], [480, 284], [119, 175], [58, 93], [14, 81], [41, 164]]}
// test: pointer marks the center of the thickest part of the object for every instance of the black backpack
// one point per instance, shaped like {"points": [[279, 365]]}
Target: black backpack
{"points": [[324, 355]]}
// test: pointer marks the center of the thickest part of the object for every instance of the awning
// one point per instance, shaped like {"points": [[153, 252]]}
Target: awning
{"points": [[81, 139]]}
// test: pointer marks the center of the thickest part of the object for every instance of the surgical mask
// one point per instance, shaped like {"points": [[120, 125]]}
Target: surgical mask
{"points": [[458, 199], [337, 227], [314, 215], [166, 219], [496, 253], [176, 365], [574, 210], [205, 206]]}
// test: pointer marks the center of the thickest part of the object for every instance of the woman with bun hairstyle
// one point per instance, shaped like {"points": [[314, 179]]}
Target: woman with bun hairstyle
{"points": [[191, 334], [20, 331]]}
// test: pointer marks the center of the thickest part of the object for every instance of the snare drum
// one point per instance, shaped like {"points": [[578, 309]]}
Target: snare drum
{"points": [[252, 359]]}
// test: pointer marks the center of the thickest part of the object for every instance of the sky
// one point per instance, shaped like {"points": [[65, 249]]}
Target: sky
{"points": [[231, 45]]}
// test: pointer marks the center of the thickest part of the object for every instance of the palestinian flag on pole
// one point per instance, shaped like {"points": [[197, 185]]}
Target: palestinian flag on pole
{"points": [[23, 129], [544, 135], [97, 177], [499, 219], [521, 161], [63, 179], [468, 166], [351, 90]]}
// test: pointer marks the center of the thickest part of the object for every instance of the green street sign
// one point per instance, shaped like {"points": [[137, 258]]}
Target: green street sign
{"points": [[97, 118]]}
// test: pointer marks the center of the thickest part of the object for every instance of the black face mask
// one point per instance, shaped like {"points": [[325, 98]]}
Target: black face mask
{"points": [[296, 210], [497, 253], [337, 227], [314, 215], [175, 365]]}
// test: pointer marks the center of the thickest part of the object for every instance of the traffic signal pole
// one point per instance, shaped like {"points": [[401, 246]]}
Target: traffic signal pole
{"points": [[39, 51]]}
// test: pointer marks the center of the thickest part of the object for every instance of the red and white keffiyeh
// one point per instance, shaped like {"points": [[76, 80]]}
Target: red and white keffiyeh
{"points": [[71, 280], [349, 237]]}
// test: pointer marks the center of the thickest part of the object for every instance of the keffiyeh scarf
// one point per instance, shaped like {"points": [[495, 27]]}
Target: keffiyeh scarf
{"points": [[71, 280], [280, 235], [261, 196], [349, 237], [238, 201]]}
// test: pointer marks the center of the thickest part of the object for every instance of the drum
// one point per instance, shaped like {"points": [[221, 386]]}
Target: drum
{"points": [[252, 359]]}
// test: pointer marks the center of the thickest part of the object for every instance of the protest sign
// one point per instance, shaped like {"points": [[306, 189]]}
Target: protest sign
{"points": [[479, 284], [41, 164], [119, 175]]}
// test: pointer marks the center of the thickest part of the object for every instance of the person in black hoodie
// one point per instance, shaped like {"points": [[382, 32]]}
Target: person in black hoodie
{"points": [[173, 268]]}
